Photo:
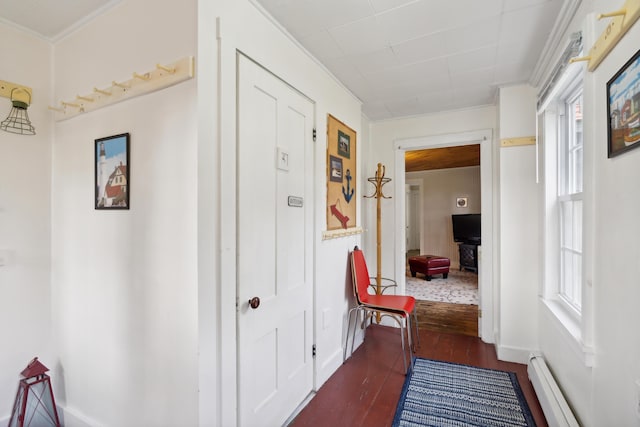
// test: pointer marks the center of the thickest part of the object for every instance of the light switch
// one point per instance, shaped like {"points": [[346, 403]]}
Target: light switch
{"points": [[283, 159]]}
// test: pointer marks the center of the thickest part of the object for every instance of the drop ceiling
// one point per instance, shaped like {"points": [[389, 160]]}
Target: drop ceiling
{"points": [[411, 57], [399, 57]]}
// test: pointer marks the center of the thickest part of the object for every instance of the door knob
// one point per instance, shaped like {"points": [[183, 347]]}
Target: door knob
{"points": [[254, 302]]}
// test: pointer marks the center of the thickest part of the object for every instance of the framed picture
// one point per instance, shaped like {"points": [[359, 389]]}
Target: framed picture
{"points": [[623, 108], [335, 174], [461, 202], [342, 153], [111, 159], [344, 145]]}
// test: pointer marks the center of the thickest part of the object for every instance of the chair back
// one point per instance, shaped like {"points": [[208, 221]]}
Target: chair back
{"points": [[360, 276]]}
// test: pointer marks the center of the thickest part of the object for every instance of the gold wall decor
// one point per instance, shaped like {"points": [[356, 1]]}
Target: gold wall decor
{"points": [[341, 175]]}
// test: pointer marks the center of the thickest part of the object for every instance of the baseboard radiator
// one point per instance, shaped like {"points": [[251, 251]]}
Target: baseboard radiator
{"points": [[555, 407]]}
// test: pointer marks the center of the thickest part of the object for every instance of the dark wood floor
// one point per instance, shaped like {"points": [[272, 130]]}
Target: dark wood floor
{"points": [[365, 390], [446, 317]]}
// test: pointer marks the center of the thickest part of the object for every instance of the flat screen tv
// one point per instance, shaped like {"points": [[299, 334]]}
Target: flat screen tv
{"points": [[466, 228]]}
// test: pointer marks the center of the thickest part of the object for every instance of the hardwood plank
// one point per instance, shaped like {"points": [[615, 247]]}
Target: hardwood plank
{"points": [[366, 388], [447, 317]]}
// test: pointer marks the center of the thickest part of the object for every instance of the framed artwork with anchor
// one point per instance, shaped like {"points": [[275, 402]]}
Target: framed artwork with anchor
{"points": [[341, 174]]}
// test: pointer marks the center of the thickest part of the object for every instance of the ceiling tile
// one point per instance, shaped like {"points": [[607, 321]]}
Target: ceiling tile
{"points": [[376, 110], [322, 45], [423, 48], [359, 37], [473, 78], [477, 34], [382, 5], [377, 60], [473, 60]]}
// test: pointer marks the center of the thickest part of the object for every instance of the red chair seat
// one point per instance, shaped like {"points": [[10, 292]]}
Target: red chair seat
{"points": [[400, 303]]}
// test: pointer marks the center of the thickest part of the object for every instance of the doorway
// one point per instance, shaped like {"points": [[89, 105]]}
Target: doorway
{"points": [[485, 253]]}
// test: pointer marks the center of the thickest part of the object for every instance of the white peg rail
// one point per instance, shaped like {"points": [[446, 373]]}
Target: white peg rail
{"points": [[163, 76]]}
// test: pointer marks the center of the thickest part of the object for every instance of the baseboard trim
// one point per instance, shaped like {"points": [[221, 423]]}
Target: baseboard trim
{"points": [[71, 417], [513, 354]]}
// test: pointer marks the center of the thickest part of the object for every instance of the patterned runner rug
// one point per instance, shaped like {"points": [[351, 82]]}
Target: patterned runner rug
{"points": [[461, 287], [449, 394]]}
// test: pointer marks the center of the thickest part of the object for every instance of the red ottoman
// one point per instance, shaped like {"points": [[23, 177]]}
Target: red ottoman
{"points": [[429, 265]]}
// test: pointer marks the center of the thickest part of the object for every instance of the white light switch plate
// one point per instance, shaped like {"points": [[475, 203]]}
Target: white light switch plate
{"points": [[283, 159]]}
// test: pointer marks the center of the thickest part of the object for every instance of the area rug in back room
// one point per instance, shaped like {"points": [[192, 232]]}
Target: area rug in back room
{"points": [[439, 394], [461, 287]]}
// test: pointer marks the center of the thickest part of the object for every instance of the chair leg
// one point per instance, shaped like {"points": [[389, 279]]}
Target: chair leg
{"points": [[346, 343], [415, 321], [404, 352]]}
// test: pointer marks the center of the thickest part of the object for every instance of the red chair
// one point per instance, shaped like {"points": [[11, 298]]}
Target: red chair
{"points": [[398, 307]]}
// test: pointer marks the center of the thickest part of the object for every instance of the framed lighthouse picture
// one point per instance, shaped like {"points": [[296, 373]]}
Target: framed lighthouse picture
{"points": [[112, 172]]}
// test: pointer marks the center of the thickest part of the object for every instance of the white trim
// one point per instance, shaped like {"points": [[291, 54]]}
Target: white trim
{"points": [[486, 282]]}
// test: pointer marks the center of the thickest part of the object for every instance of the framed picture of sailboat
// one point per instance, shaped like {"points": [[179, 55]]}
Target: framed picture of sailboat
{"points": [[623, 108]]}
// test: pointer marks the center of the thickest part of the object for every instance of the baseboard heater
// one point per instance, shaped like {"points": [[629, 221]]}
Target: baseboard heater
{"points": [[555, 407]]}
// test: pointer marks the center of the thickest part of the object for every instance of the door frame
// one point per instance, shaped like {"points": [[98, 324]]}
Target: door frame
{"points": [[487, 289]]}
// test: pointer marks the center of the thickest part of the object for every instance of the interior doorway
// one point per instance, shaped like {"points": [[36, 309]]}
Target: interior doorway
{"points": [[485, 253]]}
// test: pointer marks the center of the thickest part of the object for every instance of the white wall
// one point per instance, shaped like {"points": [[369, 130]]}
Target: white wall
{"points": [[519, 235], [125, 282], [25, 209], [241, 27], [440, 188], [606, 393]]}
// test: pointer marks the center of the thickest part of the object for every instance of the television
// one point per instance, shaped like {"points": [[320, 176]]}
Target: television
{"points": [[466, 228]]}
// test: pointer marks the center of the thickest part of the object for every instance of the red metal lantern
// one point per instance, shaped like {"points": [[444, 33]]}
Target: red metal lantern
{"points": [[34, 404]]}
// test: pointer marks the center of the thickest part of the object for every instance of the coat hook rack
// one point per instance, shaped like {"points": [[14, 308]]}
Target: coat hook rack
{"points": [[167, 69], [144, 77], [69, 104], [378, 181], [120, 85], [622, 20], [162, 76], [101, 92]]}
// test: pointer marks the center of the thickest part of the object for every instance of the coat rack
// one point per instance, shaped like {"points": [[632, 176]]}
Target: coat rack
{"points": [[378, 182], [622, 20], [140, 84]]}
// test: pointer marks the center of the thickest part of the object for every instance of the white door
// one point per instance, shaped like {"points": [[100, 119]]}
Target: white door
{"points": [[275, 244], [412, 207]]}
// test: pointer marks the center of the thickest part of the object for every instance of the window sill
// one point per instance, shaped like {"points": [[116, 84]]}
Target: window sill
{"points": [[570, 327]]}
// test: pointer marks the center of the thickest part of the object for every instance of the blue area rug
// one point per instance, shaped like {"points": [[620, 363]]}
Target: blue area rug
{"points": [[450, 394]]}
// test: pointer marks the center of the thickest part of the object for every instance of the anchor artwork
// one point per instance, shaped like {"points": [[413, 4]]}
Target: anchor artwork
{"points": [[348, 193], [341, 175]]}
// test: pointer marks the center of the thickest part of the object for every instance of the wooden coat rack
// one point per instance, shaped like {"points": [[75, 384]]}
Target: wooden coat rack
{"points": [[378, 182]]}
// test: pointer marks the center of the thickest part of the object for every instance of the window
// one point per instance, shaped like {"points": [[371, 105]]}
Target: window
{"points": [[570, 178]]}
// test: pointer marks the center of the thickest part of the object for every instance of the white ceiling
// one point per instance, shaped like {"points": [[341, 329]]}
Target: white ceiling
{"points": [[409, 57], [51, 19], [400, 57]]}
